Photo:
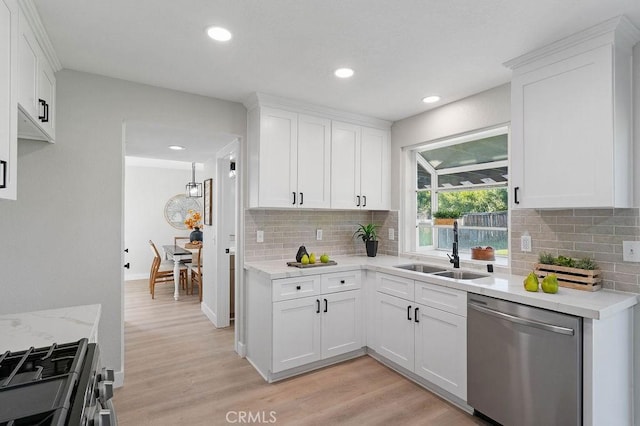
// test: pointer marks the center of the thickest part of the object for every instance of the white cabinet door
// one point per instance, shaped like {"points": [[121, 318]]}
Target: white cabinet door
{"points": [[296, 333], [46, 97], [8, 98], [562, 151], [342, 322], [441, 349], [278, 158], [28, 54], [314, 162], [395, 329], [345, 166], [374, 169]]}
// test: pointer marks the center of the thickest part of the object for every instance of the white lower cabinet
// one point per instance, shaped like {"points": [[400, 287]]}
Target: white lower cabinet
{"points": [[296, 333], [341, 329], [395, 338], [429, 342], [441, 349], [314, 328], [300, 323]]}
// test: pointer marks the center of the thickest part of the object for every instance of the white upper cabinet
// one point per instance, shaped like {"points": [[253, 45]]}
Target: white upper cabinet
{"points": [[36, 87], [360, 166], [301, 157], [293, 166], [571, 103], [314, 162], [8, 98]]}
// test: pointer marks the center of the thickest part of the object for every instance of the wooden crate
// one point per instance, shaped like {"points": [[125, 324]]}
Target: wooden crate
{"points": [[579, 279]]}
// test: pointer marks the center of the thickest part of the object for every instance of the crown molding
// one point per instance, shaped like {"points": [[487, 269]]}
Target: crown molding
{"points": [[262, 99], [618, 30], [33, 19]]}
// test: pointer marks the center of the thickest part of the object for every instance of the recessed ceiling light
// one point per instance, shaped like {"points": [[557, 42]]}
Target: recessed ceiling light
{"points": [[431, 99], [344, 72], [219, 33], [176, 147]]}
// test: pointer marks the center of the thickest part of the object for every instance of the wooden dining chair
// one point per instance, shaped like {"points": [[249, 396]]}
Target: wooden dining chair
{"points": [[196, 272], [162, 271]]}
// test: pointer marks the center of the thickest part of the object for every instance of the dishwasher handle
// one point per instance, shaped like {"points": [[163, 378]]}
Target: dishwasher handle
{"points": [[523, 321]]}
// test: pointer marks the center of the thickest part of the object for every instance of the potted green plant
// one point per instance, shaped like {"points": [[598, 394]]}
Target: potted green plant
{"points": [[369, 236], [445, 216]]}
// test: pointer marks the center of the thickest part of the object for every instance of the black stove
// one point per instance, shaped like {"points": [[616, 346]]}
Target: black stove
{"points": [[56, 385]]}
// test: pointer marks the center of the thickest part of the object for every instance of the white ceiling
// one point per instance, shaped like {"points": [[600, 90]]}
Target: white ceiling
{"points": [[151, 140], [401, 50]]}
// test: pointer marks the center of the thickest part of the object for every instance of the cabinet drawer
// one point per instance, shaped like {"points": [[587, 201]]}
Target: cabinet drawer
{"points": [[341, 281], [443, 298], [294, 288], [395, 286]]}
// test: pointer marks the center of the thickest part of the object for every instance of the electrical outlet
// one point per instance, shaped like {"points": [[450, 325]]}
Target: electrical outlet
{"points": [[391, 234], [319, 234], [631, 251], [525, 242], [260, 236]]}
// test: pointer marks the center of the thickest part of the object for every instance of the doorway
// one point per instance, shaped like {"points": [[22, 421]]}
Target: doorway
{"points": [[227, 232]]}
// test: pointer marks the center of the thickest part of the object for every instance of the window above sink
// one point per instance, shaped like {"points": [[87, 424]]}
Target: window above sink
{"points": [[467, 173]]}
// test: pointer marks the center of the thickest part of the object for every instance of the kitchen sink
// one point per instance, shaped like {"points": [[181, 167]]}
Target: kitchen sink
{"points": [[425, 269], [460, 275]]}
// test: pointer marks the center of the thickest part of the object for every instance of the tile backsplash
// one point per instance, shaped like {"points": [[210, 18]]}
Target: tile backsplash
{"points": [[578, 233], [286, 230]]}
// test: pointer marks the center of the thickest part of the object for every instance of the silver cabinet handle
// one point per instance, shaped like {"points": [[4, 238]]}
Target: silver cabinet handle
{"points": [[522, 321]]}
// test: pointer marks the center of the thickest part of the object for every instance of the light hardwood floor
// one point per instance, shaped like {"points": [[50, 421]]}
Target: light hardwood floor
{"points": [[180, 370]]}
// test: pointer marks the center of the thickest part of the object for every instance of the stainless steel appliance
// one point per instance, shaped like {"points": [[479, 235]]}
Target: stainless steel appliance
{"points": [[56, 385], [524, 364]]}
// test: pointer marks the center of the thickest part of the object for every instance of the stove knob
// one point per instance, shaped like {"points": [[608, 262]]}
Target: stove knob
{"points": [[106, 374], [105, 391], [103, 418]]}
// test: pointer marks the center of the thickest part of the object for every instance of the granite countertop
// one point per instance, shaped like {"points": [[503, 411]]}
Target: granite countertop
{"points": [[596, 305], [42, 328]]}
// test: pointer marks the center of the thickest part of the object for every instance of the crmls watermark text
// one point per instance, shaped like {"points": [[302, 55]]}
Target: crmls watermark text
{"points": [[248, 417]]}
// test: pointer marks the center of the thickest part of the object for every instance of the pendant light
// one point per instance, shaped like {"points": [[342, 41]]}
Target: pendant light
{"points": [[193, 189]]}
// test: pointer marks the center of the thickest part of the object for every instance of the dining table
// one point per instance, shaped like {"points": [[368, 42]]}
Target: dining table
{"points": [[177, 254]]}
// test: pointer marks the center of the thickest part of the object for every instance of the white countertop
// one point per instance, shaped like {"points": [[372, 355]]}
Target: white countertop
{"points": [[42, 328], [597, 305]]}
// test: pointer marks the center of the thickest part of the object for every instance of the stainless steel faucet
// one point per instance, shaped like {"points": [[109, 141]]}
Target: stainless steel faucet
{"points": [[456, 258]]}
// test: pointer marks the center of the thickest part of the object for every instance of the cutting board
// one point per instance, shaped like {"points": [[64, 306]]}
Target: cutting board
{"points": [[311, 265]]}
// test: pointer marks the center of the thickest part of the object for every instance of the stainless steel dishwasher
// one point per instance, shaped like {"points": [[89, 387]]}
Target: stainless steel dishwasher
{"points": [[524, 364]]}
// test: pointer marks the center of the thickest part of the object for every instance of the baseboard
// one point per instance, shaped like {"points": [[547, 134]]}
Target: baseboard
{"points": [[241, 349], [206, 310], [420, 381]]}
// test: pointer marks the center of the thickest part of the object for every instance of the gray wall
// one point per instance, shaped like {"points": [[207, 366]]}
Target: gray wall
{"points": [[62, 239]]}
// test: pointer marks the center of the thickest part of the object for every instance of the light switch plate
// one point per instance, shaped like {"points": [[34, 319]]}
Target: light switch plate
{"points": [[260, 236], [631, 251], [319, 234], [391, 234]]}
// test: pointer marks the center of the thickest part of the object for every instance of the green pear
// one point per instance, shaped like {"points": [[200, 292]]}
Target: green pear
{"points": [[305, 260], [312, 258], [531, 282], [550, 284]]}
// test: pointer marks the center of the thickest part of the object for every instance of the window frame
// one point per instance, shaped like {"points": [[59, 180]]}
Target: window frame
{"points": [[411, 159]]}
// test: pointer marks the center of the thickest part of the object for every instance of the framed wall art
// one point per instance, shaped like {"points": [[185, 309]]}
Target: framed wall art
{"points": [[208, 208]]}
